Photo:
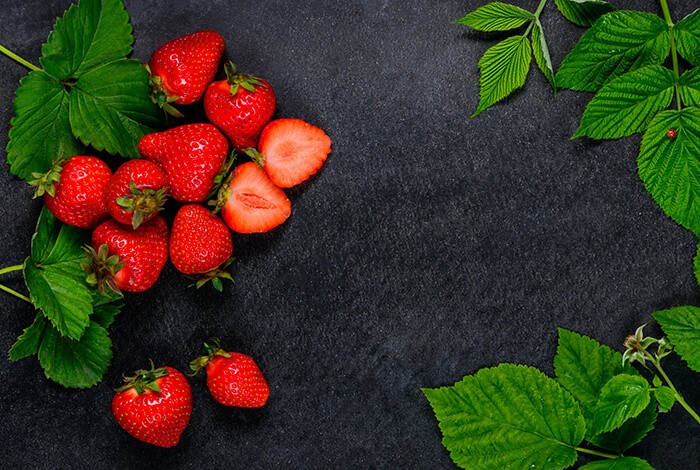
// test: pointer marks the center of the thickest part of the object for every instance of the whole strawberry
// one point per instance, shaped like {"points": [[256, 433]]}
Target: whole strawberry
{"points": [[75, 191], [240, 106], [141, 253], [250, 202], [182, 68], [154, 406], [136, 192], [233, 379], [200, 243], [290, 151], [191, 155]]}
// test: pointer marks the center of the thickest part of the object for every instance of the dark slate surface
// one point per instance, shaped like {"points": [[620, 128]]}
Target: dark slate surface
{"points": [[430, 245]]}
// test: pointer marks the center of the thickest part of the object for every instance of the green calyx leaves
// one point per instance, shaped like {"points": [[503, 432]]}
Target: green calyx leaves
{"points": [[144, 380], [215, 276], [101, 268], [213, 349], [87, 94], [142, 203], [235, 80]]}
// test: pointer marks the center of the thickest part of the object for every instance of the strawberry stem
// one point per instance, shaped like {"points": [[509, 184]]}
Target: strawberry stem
{"points": [[9, 269], [16, 294], [17, 58]]}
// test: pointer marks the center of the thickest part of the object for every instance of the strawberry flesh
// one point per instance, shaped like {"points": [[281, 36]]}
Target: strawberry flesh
{"points": [[155, 417], [292, 151], [79, 198], [191, 155], [186, 65], [199, 240], [241, 116], [253, 203], [237, 381], [144, 251]]}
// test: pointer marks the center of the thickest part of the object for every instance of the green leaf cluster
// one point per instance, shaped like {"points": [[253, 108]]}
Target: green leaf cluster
{"points": [[505, 66], [88, 92], [69, 331], [516, 417]]}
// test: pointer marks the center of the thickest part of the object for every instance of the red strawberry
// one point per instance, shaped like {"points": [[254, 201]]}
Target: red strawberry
{"points": [[251, 203], [191, 155], [291, 150], [136, 192], [240, 106], [143, 252], [200, 242], [75, 192], [233, 379], [182, 68], [154, 406]]}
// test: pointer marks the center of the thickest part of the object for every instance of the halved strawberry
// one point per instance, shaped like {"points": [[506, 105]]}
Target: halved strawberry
{"points": [[251, 203], [292, 150]]}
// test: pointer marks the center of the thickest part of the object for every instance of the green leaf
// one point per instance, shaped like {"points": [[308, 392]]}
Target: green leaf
{"points": [[670, 168], [508, 417], [583, 12], [627, 104], [504, 68], [496, 16], [54, 242], [618, 43], [90, 34], [76, 364], [682, 326], [62, 298], [28, 343], [115, 97], [696, 265], [665, 397], [541, 52], [689, 87], [40, 129], [623, 397], [583, 366], [104, 314], [630, 433], [623, 463], [54, 277], [687, 32]]}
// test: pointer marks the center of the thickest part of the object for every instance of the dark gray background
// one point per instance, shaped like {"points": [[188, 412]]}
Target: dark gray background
{"points": [[429, 246]]}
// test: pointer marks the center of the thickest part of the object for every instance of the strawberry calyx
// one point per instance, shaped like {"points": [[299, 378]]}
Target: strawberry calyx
{"points": [[143, 380], [101, 268], [242, 80], [142, 203], [222, 195], [160, 96], [213, 349], [44, 182], [221, 178], [256, 156], [214, 276]]}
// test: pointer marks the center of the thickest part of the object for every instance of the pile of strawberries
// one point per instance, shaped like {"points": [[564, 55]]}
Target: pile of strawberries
{"points": [[189, 163]]}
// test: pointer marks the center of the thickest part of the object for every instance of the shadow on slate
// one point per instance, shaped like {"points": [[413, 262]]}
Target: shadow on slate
{"points": [[429, 246]]}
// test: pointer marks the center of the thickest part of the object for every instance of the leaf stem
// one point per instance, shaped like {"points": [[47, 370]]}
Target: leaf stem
{"points": [[597, 453], [537, 14], [674, 54], [16, 294], [17, 58], [9, 269], [679, 398]]}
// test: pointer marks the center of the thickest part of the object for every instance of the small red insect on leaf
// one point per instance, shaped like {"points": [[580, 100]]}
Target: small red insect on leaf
{"points": [[672, 134]]}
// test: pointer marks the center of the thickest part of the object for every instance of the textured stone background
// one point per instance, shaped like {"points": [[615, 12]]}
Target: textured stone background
{"points": [[429, 246]]}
